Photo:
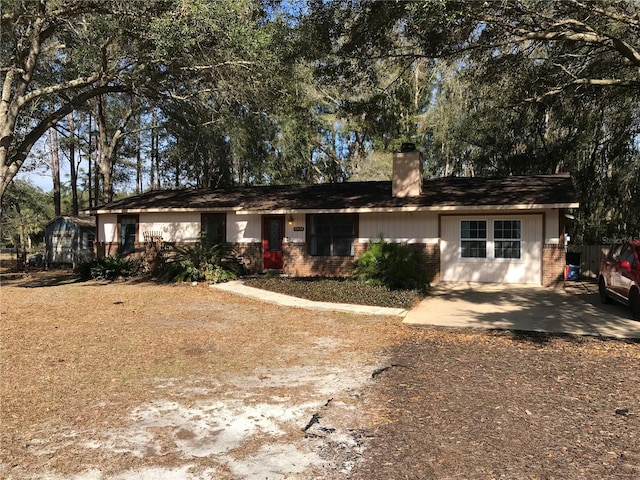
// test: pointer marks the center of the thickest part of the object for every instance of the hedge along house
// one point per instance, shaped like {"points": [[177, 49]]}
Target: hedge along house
{"points": [[470, 229]]}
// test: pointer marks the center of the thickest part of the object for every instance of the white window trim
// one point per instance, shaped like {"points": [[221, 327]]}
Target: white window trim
{"points": [[493, 240], [485, 239], [490, 241]]}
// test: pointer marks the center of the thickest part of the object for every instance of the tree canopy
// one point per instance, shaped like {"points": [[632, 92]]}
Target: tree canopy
{"points": [[177, 93]]}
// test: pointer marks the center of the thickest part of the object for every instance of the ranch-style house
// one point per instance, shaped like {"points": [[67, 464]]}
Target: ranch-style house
{"points": [[507, 230]]}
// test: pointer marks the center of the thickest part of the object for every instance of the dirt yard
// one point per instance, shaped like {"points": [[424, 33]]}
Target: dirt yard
{"points": [[133, 380]]}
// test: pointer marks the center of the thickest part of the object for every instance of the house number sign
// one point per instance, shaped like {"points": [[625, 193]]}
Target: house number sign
{"points": [[298, 229]]}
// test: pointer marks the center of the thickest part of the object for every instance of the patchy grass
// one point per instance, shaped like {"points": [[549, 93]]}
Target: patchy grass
{"points": [[338, 290]]}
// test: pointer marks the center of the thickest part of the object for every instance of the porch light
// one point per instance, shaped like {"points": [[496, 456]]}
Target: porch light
{"points": [[290, 220]]}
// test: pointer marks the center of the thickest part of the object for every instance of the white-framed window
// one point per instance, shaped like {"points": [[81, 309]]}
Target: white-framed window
{"points": [[473, 239], [507, 239]]}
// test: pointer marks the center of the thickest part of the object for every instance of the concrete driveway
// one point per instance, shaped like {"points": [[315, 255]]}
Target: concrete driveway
{"points": [[574, 308]]}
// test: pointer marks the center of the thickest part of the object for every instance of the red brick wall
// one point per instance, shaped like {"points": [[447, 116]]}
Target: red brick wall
{"points": [[431, 253], [251, 254], [553, 262], [298, 262]]}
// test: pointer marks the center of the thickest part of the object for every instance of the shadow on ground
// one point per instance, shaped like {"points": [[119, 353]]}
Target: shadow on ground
{"points": [[38, 279]]}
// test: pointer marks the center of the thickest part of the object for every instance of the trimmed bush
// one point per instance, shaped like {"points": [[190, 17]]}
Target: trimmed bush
{"points": [[200, 262], [392, 265]]}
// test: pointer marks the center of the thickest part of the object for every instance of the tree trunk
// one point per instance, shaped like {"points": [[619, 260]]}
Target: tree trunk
{"points": [[155, 162], [73, 167], [54, 163], [139, 166], [103, 163]]}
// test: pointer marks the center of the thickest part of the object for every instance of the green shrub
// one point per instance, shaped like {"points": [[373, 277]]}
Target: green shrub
{"points": [[392, 265], [109, 268], [200, 262]]}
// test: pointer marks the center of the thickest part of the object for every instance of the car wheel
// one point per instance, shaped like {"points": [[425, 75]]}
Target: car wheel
{"points": [[602, 290], [634, 303]]}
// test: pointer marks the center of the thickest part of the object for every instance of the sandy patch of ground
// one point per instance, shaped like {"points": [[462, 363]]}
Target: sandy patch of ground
{"points": [[252, 432]]}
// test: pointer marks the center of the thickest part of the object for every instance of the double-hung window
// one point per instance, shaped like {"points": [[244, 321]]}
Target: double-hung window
{"points": [[473, 239], [332, 235], [507, 238], [214, 227]]}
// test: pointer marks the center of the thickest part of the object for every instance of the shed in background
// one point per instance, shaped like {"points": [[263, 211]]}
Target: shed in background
{"points": [[69, 240]]}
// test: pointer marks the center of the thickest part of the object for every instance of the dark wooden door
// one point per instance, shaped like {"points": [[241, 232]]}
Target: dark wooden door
{"points": [[272, 235]]}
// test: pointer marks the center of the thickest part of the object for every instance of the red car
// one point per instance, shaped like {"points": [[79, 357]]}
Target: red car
{"points": [[619, 277]]}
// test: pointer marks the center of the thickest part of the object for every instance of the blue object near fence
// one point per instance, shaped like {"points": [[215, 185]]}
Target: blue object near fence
{"points": [[572, 272]]}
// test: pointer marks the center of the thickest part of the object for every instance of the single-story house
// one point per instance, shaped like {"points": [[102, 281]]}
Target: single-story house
{"points": [[508, 229], [69, 239]]}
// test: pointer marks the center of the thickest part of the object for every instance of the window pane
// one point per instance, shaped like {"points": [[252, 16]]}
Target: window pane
{"points": [[473, 249], [507, 249], [128, 229], [507, 236], [275, 235], [332, 234], [213, 226], [470, 229], [473, 235], [343, 247], [506, 229], [320, 245]]}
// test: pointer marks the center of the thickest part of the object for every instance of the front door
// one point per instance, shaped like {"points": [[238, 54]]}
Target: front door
{"points": [[272, 235]]}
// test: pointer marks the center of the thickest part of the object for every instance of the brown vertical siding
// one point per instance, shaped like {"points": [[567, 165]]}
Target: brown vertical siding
{"points": [[590, 258]]}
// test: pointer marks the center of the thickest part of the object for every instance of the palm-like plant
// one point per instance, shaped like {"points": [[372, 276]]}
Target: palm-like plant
{"points": [[213, 263]]}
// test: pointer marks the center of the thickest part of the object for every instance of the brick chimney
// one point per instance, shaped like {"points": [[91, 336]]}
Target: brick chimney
{"points": [[407, 172]]}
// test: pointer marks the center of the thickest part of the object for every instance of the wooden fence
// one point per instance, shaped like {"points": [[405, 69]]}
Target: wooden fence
{"points": [[590, 258]]}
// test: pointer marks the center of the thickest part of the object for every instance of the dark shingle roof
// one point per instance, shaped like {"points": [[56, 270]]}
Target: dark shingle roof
{"points": [[447, 192]]}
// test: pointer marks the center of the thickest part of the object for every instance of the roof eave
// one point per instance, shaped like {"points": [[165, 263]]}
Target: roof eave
{"points": [[283, 211], [415, 208], [132, 211]]}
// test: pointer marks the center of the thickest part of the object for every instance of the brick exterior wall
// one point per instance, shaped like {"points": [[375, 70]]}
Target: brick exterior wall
{"points": [[553, 262], [431, 253], [251, 254], [298, 262]]}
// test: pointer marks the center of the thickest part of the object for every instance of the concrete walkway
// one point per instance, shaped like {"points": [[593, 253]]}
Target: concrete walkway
{"points": [[572, 309]]}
